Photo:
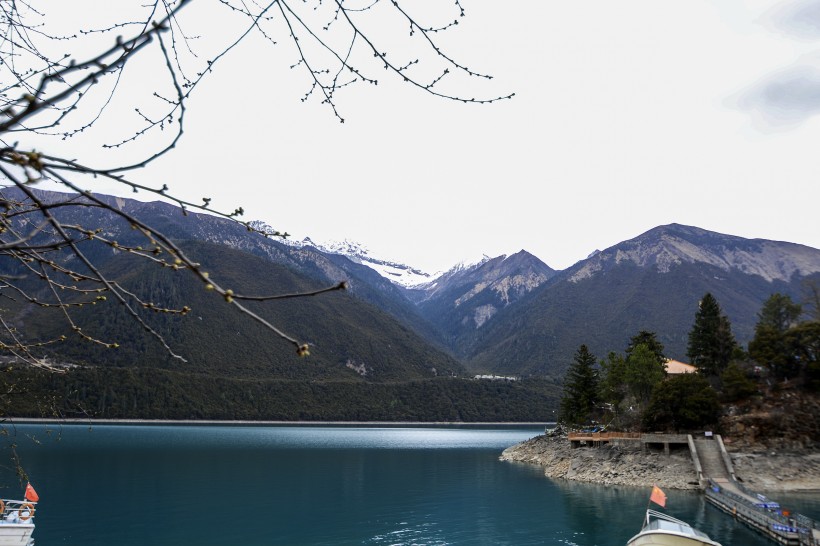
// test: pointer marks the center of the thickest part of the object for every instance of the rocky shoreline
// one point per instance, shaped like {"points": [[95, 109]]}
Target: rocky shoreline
{"points": [[615, 465]]}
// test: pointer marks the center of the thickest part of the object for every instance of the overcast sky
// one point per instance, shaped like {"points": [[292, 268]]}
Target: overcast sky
{"points": [[627, 115]]}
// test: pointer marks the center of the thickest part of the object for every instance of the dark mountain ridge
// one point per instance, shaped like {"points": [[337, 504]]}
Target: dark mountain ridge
{"points": [[350, 339], [664, 247], [322, 268], [512, 315], [651, 282], [356, 335], [465, 299]]}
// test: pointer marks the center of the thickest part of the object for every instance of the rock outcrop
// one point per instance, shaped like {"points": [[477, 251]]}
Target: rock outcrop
{"points": [[608, 464], [615, 465], [778, 470], [785, 419]]}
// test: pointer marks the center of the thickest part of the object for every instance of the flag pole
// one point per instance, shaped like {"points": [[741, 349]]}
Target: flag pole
{"points": [[658, 497], [646, 513]]}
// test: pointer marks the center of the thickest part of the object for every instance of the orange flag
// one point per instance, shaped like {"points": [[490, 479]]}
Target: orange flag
{"points": [[658, 496], [31, 494]]}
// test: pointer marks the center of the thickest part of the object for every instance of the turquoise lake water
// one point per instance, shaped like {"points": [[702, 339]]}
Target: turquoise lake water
{"points": [[259, 485]]}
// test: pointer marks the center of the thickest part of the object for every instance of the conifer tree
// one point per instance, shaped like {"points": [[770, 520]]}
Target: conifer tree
{"points": [[736, 383], [644, 371], [613, 389], [711, 342], [779, 312], [772, 346], [682, 403], [580, 388], [804, 341], [650, 341], [811, 297]]}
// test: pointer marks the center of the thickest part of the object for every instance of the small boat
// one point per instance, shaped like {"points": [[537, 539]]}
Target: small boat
{"points": [[16, 522], [662, 530]]}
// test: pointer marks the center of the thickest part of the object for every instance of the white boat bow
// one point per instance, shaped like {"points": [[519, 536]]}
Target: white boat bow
{"points": [[662, 530]]}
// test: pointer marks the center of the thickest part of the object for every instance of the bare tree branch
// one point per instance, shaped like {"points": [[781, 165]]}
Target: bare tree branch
{"points": [[334, 45]]}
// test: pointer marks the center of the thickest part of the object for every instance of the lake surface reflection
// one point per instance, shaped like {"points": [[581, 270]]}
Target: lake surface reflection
{"points": [[266, 485]]}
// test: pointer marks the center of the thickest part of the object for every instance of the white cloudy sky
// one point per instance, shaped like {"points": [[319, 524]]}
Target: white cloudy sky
{"points": [[627, 115]]}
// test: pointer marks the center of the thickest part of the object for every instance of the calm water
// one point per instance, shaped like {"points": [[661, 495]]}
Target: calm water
{"points": [[219, 485]]}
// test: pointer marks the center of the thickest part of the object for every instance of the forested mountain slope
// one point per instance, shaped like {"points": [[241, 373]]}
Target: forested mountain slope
{"points": [[467, 298], [510, 314], [349, 338], [653, 282]]}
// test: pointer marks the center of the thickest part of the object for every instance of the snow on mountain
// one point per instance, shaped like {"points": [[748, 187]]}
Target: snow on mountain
{"points": [[398, 273], [459, 268]]}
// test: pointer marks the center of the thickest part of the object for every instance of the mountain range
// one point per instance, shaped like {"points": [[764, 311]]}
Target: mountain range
{"points": [[505, 315], [515, 315], [652, 282]]}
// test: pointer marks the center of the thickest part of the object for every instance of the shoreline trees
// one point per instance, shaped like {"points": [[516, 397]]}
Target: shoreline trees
{"points": [[634, 390], [789, 348], [581, 384]]}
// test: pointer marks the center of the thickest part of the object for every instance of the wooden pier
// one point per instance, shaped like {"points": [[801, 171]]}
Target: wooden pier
{"points": [[576, 439], [598, 438]]}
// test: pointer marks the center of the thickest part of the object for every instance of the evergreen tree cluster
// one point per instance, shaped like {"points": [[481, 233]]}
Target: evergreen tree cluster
{"points": [[786, 344], [633, 391]]}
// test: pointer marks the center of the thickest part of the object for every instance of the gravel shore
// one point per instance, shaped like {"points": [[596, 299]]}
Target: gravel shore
{"points": [[613, 465]]}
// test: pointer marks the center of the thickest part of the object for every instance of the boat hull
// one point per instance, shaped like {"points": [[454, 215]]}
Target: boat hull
{"points": [[15, 534], [657, 538]]}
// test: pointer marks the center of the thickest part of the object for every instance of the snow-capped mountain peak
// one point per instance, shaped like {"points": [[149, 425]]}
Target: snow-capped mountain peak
{"points": [[398, 273], [345, 248]]}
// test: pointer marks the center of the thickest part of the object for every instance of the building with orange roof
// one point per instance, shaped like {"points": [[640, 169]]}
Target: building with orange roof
{"points": [[677, 367]]}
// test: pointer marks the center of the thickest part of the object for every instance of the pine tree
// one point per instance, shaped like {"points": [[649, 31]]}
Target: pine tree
{"points": [[804, 341], [711, 342], [650, 340], [811, 297], [736, 383], [644, 371], [580, 388], [682, 403], [779, 312], [613, 387], [770, 346]]}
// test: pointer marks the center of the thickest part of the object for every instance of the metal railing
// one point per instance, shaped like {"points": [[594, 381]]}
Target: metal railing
{"points": [[650, 438], [17, 511], [795, 529], [604, 436]]}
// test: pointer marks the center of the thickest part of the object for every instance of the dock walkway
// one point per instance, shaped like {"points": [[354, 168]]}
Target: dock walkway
{"points": [[717, 477], [755, 510]]}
